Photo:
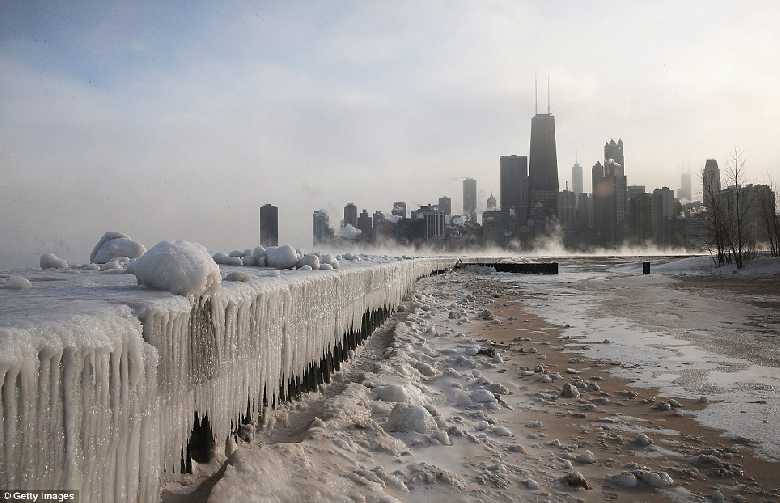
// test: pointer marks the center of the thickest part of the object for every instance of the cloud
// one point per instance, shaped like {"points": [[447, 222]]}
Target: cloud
{"points": [[168, 124]]}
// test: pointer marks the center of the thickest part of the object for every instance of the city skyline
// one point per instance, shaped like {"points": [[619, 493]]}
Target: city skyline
{"points": [[232, 107]]}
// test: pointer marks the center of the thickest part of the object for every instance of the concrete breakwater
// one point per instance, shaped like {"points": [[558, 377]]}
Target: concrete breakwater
{"points": [[102, 380]]}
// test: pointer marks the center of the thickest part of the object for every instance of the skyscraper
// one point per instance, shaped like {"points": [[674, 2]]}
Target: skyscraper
{"points": [[662, 215], [350, 215], [269, 225], [710, 181], [445, 205], [514, 187], [614, 151], [321, 230], [609, 201], [543, 168], [576, 178], [685, 186], [491, 202], [470, 198], [399, 209], [365, 224]]}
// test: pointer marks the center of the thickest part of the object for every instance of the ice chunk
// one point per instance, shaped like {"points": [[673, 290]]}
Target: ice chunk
{"points": [[281, 257], [115, 244], [222, 259], [15, 282], [180, 267], [326, 267], [52, 261]]}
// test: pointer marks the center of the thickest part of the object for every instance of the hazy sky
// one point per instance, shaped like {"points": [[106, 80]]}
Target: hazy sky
{"points": [[178, 121]]}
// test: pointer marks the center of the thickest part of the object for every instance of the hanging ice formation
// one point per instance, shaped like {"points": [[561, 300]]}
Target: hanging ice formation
{"points": [[103, 401]]}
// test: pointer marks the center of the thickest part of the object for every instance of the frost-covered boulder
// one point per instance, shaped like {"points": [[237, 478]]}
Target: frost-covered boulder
{"points": [[411, 418], [310, 260], [237, 253], [222, 259], [115, 244], [52, 261], [326, 258], [326, 267], [238, 276], [281, 257], [15, 282], [180, 267]]}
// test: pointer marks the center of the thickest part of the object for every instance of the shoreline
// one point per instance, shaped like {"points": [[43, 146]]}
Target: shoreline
{"points": [[672, 431]]}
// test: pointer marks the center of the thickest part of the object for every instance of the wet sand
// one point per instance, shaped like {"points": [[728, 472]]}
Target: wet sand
{"points": [[677, 438]]}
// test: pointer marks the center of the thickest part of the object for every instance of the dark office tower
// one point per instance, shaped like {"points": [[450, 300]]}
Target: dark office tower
{"points": [[514, 187], [614, 151], [445, 205], [269, 225], [609, 202], [365, 225], [576, 179], [350, 215], [321, 227], [543, 170], [470, 198], [662, 211], [399, 209], [710, 181]]}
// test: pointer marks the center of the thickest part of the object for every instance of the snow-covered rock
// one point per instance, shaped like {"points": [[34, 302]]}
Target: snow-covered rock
{"points": [[326, 267], [115, 244], [238, 276], [15, 282], [281, 257], [180, 267], [310, 260], [411, 418], [52, 261]]}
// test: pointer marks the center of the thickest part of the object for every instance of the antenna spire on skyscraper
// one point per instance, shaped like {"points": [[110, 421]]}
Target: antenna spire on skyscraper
{"points": [[536, 97], [548, 94]]}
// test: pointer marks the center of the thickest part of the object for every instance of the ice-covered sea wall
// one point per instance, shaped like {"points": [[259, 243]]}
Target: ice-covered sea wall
{"points": [[101, 379]]}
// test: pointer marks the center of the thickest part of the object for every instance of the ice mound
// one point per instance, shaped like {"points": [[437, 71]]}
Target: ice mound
{"points": [[411, 418], [281, 257], [398, 393], [15, 282], [180, 267], [115, 244], [52, 261]]}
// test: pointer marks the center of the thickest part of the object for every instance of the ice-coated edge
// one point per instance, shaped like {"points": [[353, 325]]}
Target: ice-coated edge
{"points": [[104, 401]]}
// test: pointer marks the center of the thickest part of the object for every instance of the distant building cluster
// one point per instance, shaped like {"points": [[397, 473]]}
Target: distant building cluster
{"points": [[531, 208]]}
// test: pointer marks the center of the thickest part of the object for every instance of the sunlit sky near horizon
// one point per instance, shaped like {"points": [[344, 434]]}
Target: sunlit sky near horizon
{"points": [[177, 120]]}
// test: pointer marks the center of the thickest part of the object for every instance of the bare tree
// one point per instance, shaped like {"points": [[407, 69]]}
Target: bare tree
{"points": [[715, 221], [737, 206]]}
